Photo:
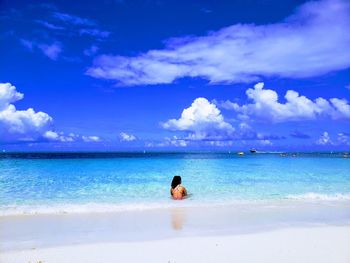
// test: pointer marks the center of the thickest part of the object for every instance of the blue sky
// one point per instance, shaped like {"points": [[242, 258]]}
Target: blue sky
{"points": [[174, 75]]}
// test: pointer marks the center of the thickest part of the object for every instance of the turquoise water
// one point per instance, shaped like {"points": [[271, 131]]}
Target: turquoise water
{"points": [[75, 181]]}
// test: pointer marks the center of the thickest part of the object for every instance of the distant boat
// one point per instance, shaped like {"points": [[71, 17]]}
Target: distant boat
{"points": [[240, 153], [252, 150]]}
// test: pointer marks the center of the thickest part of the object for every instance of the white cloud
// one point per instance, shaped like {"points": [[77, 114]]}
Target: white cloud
{"points": [[73, 19], [52, 51], [28, 125], [175, 141], [91, 138], [49, 25], [343, 138], [19, 124], [227, 105], [68, 25], [266, 106], [81, 26], [168, 142], [220, 143], [51, 135], [8, 94], [61, 137], [324, 139], [126, 137], [313, 41], [71, 137], [342, 108], [265, 142], [203, 120]]}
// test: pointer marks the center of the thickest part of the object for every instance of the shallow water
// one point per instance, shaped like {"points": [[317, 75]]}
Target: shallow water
{"points": [[92, 182]]}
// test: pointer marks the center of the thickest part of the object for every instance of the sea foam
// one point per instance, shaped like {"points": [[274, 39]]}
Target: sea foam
{"points": [[320, 196]]}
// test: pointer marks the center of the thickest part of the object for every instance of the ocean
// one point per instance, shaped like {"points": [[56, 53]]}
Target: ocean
{"points": [[90, 182]]}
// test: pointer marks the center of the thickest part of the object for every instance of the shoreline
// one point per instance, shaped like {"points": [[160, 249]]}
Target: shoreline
{"points": [[312, 199]]}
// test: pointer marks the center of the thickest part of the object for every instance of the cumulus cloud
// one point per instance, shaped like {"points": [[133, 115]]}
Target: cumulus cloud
{"points": [[203, 120], [8, 95], [126, 137], [91, 138], [343, 138], [24, 125], [266, 106], [177, 142], [28, 125], [227, 105], [61, 137], [71, 137], [51, 135], [324, 139], [168, 142], [313, 41]]}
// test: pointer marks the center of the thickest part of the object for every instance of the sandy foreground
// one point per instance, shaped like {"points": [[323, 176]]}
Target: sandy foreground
{"points": [[293, 232], [316, 244]]}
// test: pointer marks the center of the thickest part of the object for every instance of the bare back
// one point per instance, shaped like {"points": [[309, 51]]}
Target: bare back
{"points": [[179, 192]]}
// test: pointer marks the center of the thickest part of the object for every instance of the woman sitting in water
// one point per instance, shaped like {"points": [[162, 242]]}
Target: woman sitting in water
{"points": [[177, 191]]}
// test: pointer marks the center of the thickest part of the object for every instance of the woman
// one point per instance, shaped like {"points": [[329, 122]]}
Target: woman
{"points": [[177, 191]]}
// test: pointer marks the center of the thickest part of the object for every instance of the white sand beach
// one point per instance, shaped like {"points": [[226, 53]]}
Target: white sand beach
{"points": [[298, 233], [319, 244]]}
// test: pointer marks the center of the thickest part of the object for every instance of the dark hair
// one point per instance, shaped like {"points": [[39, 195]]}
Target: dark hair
{"points": [[176, 181]]}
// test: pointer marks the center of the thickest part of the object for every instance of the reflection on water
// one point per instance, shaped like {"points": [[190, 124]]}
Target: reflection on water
{"points": [[178, 217]]}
